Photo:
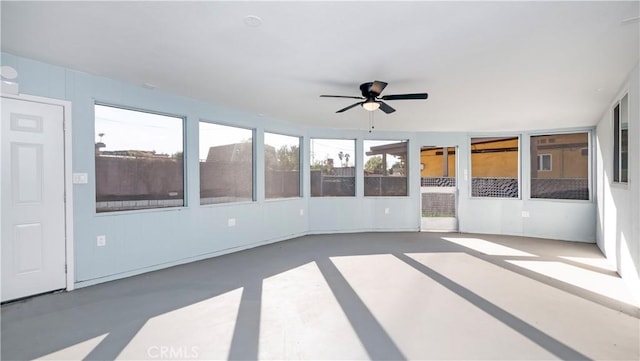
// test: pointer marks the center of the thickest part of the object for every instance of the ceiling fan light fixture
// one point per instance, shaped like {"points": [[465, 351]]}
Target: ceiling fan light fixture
{"points": [[371, 105]]}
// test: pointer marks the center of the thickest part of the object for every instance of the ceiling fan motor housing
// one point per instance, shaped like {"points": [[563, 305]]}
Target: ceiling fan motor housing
{"points": [[367, 91]]}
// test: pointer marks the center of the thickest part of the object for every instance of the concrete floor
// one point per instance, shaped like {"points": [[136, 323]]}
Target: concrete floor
{"points": [[350, 296]]}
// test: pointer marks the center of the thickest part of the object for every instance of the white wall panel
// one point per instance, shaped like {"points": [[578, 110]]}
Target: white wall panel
{"points": [[618, 213]]}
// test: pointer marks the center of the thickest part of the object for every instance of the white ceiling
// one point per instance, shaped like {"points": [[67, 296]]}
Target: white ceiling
{"points": [[486, 66]]}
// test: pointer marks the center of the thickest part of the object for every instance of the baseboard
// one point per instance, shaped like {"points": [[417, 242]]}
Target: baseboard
{"points": [[117, 276]]}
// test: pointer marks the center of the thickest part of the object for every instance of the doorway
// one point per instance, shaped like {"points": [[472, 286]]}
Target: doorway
{"points": [[33, 196], [438, 189]]}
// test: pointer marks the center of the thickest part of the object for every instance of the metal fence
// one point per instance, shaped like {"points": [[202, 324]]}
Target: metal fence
{"points": [[494, 187], [438, 181], [375, 185], [438, 204], [332, 186], [560, 188]]}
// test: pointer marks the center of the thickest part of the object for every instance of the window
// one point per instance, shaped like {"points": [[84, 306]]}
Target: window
{"points": [[138, 160], [494, 167], [544, 162], [333, 168], [226, 164], [569, 176], [621, 141], [385, 168], [282, 166]]}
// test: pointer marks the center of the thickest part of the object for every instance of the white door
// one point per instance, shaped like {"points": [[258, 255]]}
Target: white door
{"points": [[32, 198], [438, 189]]}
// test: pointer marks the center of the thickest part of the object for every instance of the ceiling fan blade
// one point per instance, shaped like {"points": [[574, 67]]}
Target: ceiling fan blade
{"points": [[386, 108], [377, 87], [340, 96], [405, 96], [349, 107]]}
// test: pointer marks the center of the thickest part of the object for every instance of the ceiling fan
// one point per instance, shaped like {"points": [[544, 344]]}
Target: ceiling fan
{"points": [[372, 99]]}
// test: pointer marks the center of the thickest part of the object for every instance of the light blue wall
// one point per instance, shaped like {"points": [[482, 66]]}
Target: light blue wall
{"points": [[354, 214], [565, 220], [139, 241], [142, 240]]}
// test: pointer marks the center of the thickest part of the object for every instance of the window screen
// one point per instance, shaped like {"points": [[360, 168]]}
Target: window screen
{"points": [[282, 166], [332, 168], [562, 170], [226, 164], [385, 167], [138, 159], [494, 167]]}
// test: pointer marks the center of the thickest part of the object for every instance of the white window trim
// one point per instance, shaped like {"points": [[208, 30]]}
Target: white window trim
{"points": [[621, 111], [300, 164], [591, 162], [364, 152], [354, 156], [520, 180], [185, 203], [253, 166]]}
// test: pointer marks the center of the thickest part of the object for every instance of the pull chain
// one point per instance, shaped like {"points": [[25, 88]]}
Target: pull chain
{"points": [[371, 126]]}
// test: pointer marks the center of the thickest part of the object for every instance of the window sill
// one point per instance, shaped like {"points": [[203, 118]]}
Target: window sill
{"points": [[620, 185], [140, 211]]}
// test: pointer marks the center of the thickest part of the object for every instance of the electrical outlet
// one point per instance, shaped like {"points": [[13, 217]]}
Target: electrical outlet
{"points": [[231, 222], [80, 178], [386, 211], [101, 240], [525, 214], [301, 212]]}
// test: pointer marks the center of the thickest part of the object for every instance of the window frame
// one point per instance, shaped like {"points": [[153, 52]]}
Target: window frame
{"points": [[407, 142], [185, 187], [617, 119], [300, 164], [254, 178], [355, 161], [519, 166], [590, 163]]}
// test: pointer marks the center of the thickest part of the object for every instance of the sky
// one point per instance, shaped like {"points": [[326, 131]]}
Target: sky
{"points": [[323, 149], [215, 135], [132, 130]]}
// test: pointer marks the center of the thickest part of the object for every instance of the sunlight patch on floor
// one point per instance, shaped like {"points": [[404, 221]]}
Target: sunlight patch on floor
{"points": [[488, 248], [300, 316], [605, 285], [201, 330], [425, 319], [564, 316], [78, 351]]}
